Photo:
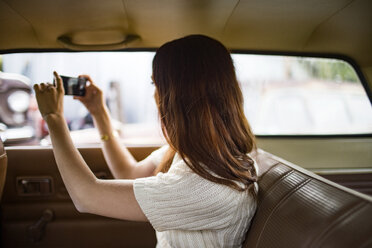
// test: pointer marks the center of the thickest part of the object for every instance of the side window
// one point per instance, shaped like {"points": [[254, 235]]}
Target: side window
{"points": [[124, 77], [283, 95], [287, 95]]}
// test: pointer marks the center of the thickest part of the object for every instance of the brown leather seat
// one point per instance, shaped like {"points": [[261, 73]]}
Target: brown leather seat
{"points": [[3, 165], [300, 209]]}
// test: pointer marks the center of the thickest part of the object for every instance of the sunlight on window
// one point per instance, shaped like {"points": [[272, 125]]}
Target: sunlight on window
{"points": [[283, 95]]}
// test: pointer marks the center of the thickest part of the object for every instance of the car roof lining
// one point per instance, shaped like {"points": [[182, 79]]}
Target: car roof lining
{"points": [[309, 26], [325, 21]]}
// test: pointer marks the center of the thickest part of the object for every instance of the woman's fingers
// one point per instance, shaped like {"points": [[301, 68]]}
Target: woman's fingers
{"points": [[88, 78], [59, 85], [42, 86], [78, 98], [50, 87], [91, 87], [50, 97], [37, 89]]}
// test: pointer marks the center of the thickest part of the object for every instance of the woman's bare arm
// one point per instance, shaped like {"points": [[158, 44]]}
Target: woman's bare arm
{"points": [[120, 161], [112, 198]]}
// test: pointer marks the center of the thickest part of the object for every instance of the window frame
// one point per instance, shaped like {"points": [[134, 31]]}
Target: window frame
{"points": [[342, 57]]}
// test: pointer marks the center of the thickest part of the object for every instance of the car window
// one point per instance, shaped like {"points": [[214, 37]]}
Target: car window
{"points": [[283, 95], [288, 95]]}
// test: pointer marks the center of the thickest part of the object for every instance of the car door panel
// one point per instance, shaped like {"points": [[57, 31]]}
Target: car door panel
{"points": [[69, 228], [21, 211]]}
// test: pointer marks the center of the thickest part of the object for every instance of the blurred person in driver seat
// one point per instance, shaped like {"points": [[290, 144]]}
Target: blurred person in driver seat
{"points": [[196, 191]]}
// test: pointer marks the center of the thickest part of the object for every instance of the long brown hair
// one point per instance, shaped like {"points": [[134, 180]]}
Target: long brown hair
{"points": [[201, 111]]}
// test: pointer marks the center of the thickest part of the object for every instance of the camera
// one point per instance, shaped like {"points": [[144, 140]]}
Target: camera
{"points": [[74, 86]]}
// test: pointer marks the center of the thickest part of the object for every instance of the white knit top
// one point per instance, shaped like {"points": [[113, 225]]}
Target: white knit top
{"points": [[187, 210]]}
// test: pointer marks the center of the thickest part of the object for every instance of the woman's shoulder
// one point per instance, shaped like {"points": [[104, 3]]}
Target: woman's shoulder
{"points": [[180, 170], [181, 175], [157, 156], [180, 167]]}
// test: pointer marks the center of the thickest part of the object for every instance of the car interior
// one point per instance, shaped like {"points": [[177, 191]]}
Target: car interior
{"points": [[315, 190]]}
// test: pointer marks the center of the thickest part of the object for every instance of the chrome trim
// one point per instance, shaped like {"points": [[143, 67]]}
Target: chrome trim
{"points": [[341, 171]]}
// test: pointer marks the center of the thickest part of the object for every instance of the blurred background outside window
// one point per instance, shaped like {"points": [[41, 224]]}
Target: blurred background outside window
{"points": [[283, 95]]}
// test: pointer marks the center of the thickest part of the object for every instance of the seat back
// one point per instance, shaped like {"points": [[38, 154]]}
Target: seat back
{"points": [[300, 209], [3, 166]]}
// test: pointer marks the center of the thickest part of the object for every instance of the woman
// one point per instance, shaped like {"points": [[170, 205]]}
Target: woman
{"points": [[199, 190]]}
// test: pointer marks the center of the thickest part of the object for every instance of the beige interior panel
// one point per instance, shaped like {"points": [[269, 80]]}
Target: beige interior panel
{"points": [[155, 23], [15, 28], [321, 153], [68, 17], [68, 227], [334, 26], [253, 23], [348, 30]]}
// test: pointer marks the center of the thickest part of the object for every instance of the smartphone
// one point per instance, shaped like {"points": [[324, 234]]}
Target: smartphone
{"points": [[74, 86]]}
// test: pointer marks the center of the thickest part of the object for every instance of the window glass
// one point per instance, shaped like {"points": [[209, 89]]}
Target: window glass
{"points": [[286, 95], [283, 95]]}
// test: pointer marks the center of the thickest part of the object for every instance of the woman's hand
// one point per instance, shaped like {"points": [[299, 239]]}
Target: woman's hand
{"points": [[93, 99], [50, 98]]}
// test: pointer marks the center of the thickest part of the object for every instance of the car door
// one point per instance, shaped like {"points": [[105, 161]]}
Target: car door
{"points": [[37, 211]]}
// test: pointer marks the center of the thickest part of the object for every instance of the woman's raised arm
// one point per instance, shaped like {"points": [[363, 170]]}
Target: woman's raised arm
{"points": [[120, 161], [112, 198]]}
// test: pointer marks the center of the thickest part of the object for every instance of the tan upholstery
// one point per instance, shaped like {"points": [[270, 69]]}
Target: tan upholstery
{"points": [[316, 26], [300, 209], [3, 165]]}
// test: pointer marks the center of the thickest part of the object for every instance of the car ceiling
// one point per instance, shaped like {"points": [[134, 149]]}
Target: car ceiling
{"points": [[312, 26]]}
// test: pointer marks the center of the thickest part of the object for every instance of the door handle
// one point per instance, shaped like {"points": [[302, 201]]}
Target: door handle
{"points": [[37, 230], [34, 186]]}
